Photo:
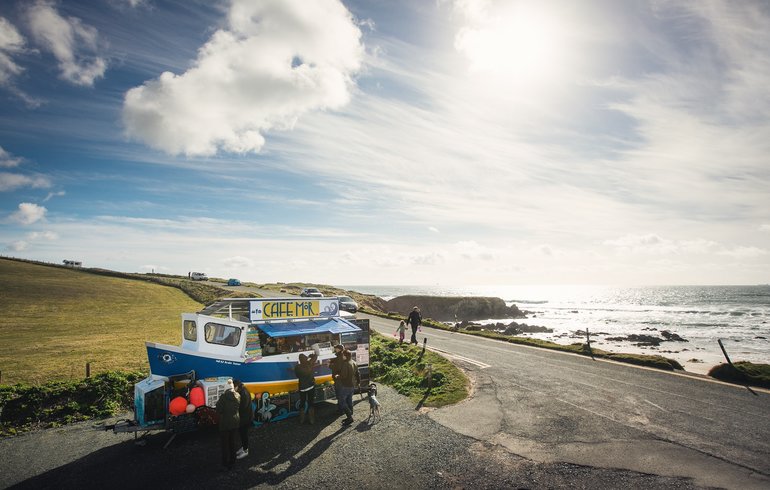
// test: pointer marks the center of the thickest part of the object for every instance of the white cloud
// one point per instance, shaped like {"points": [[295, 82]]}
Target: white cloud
{"points": [[471, 250], [54, 194], [275, 61], [433, 229], [238, 262], [29, 213], [744, 252], [72, 43], [10, 181], [11, 43], [7, 160], [764, 227], [43, 235], [656, 245], [18, 246]]}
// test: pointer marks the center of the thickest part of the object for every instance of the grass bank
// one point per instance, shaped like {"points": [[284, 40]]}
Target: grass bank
{"points": [[24, 407], [426, 378], [54, 320], [743, 373], [658, 362]]}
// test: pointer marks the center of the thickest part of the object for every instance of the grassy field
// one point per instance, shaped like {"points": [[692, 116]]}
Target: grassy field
{"points": [[54, 320]]}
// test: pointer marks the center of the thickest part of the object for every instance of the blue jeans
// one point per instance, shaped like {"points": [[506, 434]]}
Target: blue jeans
{"points": [[346, 399]]}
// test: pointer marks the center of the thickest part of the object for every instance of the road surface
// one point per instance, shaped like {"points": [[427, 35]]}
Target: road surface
{"points": [[549, 407]]}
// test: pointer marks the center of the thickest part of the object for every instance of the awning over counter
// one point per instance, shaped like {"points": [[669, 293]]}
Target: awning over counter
{"points": [[307, 327]]}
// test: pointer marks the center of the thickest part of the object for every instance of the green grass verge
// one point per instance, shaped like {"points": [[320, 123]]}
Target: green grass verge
{"points": [[24, 407], [744, 373], [405, 368], [653, 361]]}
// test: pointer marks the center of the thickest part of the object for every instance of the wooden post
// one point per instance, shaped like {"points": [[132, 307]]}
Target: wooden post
{"points": [[424, 341], [588, 342], [88, 370], [725, 353]]}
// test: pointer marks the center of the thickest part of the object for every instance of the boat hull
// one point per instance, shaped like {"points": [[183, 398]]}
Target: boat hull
{"points": [[260, 376]]}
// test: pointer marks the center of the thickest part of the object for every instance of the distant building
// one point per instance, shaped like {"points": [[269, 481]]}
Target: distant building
{"points": [[72, 263]]}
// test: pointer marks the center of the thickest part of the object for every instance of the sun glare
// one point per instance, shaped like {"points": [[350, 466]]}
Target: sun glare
{"points": [[524, 46]]}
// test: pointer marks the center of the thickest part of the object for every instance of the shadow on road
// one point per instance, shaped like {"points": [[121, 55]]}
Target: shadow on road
{"points": [[277, 451]]}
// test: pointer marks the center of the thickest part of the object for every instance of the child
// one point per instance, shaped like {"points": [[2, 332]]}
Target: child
{"points": [[401, 330]]}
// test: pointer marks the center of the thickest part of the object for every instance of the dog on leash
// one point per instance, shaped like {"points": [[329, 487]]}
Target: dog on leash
{"points": [[374, 404]]}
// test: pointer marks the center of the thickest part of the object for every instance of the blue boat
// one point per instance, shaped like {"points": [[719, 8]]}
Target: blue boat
{"points": [[258, 341]]}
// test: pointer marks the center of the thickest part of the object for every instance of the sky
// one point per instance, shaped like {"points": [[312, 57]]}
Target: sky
{"points": [[373, 142]]}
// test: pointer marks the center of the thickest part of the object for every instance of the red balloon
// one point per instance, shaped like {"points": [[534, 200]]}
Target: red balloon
{"points": [[178, 406], [197, 397]]}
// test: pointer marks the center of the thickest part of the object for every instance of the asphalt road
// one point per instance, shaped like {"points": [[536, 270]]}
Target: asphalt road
{"points": [[549, 406]]}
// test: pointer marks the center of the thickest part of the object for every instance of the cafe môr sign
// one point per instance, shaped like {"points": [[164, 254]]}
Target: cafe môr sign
{"points": [[282, 309]]}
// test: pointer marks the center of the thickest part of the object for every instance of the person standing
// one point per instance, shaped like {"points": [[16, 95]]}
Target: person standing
{"points": [[227, 409], [401, 330], [348, 378], [335, 365], [246, 417], [304, 372], [414, 320]]}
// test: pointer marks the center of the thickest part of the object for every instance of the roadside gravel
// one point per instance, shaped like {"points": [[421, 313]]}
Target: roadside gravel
{"points": [[406, 449]]}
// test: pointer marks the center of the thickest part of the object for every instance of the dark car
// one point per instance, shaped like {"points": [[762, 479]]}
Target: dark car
{"points": [[233, 282], [311, 293], [348, 304]]}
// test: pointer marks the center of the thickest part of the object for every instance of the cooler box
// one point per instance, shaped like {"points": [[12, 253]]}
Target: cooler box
{"points": [[213, 389]]}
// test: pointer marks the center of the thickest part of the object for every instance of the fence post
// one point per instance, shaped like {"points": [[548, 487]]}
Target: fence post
{"points": [[725, 353], [424, 341], [88, 370], [588, 342]]}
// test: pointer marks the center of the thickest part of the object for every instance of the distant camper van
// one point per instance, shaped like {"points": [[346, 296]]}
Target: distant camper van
{"points": [[199, 276], [72, 263]]}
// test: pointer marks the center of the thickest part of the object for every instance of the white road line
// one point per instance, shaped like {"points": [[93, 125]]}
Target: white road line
{"points": [[656, 406], [460, 358]]}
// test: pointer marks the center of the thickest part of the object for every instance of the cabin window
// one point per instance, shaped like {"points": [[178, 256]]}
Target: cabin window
{"points": [[190, 330], [222, 334]]}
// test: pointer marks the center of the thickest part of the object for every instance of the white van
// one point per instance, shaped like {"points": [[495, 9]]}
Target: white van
{"points": [[199, 276]]}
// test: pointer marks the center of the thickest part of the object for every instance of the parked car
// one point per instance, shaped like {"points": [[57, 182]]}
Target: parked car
{"points": [[348, 304], [311, 293], [199, 276], [233, 282]]}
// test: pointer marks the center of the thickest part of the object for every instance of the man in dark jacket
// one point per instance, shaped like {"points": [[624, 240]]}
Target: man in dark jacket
{"points": [[229, 421], [304, 372], [414, 320], [347, 379], [246, 416]]}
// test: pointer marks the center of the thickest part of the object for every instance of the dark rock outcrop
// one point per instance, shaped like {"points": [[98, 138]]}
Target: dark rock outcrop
{"points": [[447, 309], [672, 336]]}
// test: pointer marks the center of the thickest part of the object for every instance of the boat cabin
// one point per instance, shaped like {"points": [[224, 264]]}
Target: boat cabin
{"points": [[249, 329]]}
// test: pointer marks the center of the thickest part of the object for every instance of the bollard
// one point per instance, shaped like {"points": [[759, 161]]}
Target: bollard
{"points": [[88, 370], [424, 341]]}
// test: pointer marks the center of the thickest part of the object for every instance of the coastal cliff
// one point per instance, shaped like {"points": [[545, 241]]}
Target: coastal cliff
{"points": [[449, 309]]}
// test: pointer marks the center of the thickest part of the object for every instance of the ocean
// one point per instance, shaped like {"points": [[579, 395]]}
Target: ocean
{"points": [[738, 315]]}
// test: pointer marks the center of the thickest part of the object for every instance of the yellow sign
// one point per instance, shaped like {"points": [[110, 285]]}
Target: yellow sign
{"points": [[281, 309]]}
